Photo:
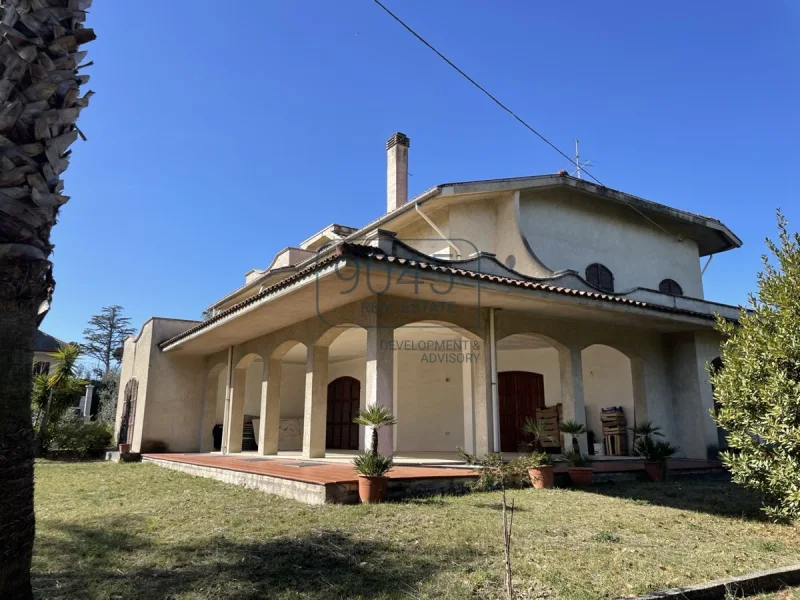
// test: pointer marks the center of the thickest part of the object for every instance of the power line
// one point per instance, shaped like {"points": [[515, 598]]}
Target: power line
{"points": [[483, 89], [508, 110]]}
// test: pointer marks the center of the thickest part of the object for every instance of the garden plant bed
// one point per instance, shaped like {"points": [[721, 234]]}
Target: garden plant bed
{"points": [[108, 530]]}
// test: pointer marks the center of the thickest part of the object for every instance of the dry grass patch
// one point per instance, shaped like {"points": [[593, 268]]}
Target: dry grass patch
{"points": [[138, 531]]}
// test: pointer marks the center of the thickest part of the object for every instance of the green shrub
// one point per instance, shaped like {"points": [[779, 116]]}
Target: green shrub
{"points": [[84, 439], [372, 465], [757, 389]]}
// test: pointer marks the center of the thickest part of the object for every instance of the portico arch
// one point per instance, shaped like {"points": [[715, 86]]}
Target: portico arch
{"points": [[441, 388], [244, 403], [213, 406], [612, 379]]}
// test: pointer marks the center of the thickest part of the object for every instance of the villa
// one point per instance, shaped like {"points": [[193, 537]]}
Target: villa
{"points": [[467, 310]]}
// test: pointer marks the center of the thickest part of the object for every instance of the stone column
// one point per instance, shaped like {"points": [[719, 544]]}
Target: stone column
{"points": [[235, 417], [209, 414], [316, 404], [481, 374], [572, 403], [380, 382], [466, 387], [269, 426]]}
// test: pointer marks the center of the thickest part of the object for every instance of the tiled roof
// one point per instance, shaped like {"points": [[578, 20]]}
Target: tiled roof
{"points": [[45, 342], [372, 253]]}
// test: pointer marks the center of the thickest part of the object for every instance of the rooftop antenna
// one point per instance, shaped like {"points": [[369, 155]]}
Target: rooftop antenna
{"points": [[580, 166]]}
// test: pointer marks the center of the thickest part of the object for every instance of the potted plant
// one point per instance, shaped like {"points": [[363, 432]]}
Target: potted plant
{"points": [[574, 429], [372, 480], [540, 469], [372, 466], [580, 468], [655, 454]]}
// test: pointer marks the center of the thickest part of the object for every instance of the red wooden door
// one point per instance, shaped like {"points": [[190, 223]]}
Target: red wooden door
{"points": [[520, 394], [344, 400]]}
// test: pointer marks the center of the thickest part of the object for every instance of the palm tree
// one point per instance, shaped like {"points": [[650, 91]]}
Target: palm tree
{"points": [[537, 432], [39, 106], [63, 381], [375, 416], [574, 429]]}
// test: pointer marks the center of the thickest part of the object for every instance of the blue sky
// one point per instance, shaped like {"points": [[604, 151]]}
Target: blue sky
{"points": [[222, 133]]}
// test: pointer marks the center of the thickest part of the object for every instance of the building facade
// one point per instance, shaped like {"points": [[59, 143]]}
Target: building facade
{"points": [[467, 310]]}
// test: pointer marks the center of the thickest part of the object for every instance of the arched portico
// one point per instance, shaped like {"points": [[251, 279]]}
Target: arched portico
{"points": [[213, 405], [560, 368], [244, 400]]}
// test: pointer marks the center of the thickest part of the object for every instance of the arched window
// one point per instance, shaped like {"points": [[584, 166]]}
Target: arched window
{"points": [[600, 277], [671, 287]]}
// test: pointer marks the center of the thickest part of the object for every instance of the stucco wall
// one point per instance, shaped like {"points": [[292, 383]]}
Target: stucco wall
{"points": [[571, 231], [169, 404], [424, 238], [430, 404], [293, 386], [607, 382]]}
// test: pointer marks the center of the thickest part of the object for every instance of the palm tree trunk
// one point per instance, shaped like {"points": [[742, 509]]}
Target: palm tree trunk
{"points": [[39, 105], [21, 293], [374, 440]]}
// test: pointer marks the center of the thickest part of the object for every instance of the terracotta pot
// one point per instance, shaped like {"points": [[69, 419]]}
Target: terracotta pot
{"points": [[371, 490], [124, 448], [542, 477], [655, 471], [580, 476]]}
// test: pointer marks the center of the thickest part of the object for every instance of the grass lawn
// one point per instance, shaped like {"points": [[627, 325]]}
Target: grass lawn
{"points": [[139, 531]]}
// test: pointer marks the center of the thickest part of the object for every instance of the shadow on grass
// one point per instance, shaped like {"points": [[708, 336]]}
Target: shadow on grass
{"points": [[714, 497], [113, 562]]}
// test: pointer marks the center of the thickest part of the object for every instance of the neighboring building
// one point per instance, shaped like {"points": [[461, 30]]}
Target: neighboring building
{"points": [[467, 310], [43, 347]]}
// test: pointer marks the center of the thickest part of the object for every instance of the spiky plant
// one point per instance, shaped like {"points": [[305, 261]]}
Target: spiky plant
{"points": [[39, 105], [376, 417], [62, 381], [537, 432], [646, 429], [372, 464], [574, 429], [655, 450]]}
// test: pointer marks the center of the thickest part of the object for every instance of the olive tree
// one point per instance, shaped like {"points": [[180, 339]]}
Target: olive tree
{"points": [[758, 387]]}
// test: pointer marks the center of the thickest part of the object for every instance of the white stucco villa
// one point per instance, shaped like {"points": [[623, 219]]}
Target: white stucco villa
{"points": [[466, 309]]}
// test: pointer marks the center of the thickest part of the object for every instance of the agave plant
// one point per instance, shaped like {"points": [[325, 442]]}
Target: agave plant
{"points": [[574, 429], [375, 416]]}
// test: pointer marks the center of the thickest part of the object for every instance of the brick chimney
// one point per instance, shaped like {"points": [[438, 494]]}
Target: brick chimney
{"points": [[397, 171]]}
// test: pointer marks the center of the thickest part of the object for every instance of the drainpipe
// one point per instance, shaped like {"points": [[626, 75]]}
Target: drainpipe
{"points": [[708, 262], [226, 413], [437, 230], [495, 399]]}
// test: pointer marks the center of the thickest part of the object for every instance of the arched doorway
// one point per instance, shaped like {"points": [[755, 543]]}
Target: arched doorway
{"points": [[722, 434], [344, 400], [128, 412], [520, 394]]}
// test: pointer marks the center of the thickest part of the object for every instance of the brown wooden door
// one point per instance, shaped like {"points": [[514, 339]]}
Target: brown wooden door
{"points": [[520, 394], [344, 400]]}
